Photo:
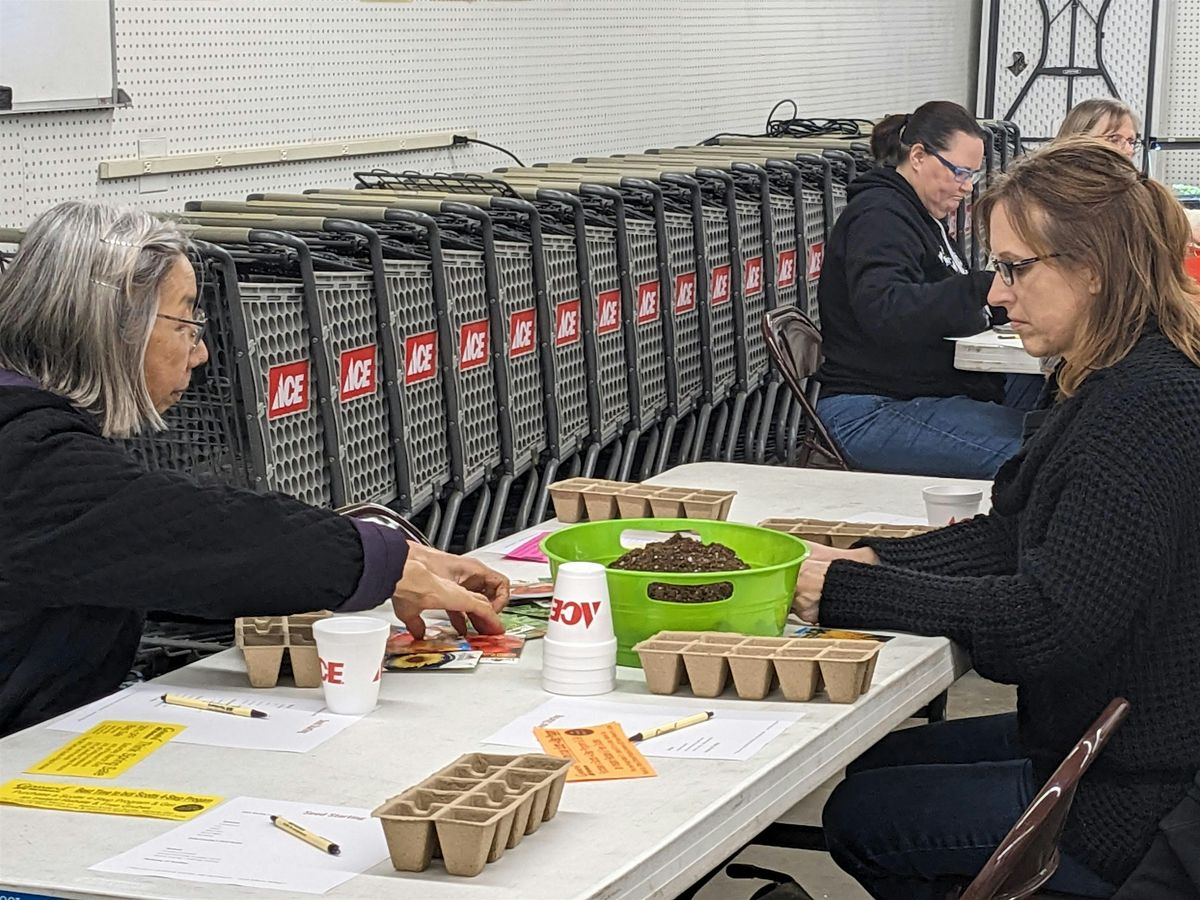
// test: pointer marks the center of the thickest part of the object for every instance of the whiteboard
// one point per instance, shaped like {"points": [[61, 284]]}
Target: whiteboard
{"points": [[56, 54]]}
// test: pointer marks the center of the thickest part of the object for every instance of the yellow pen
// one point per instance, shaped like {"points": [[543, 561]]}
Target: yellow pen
{"points": [[323, 844], [213, 706], [671, 726]]}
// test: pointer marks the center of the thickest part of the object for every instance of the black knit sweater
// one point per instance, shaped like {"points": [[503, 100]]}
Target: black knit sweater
{"points": [[89, 542], [1081, 585]]}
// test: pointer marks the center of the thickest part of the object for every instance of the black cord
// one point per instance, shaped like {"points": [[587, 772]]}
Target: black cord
{"points": [[463, 139], [771, 114]]}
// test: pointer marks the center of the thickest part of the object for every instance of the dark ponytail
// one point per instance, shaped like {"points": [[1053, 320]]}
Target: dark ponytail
{"points": [[933, 126]]}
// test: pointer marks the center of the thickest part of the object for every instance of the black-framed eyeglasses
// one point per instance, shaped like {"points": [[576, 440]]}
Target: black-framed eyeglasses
{"points": [[1008, 270], [961, 174], [1119, 141], [198, 325]]}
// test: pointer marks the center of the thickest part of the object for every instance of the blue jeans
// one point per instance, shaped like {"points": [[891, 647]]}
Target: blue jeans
{"points": [[952, 437], [920, 813]]}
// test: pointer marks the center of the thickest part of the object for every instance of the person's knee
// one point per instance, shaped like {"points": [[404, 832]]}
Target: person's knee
{"points": [[842, 819]]}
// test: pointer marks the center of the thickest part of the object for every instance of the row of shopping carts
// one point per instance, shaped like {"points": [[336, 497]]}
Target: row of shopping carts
{"points": [[452, 344]]}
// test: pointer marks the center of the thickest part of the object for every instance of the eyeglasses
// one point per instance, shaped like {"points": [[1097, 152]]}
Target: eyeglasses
{"points": [[1118, 140], [198, 325], [961, 174], [1008, 270]]}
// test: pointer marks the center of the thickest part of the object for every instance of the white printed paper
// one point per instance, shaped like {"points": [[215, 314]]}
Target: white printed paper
{"points": [[294, 726], [237, 844], [729, 734]]}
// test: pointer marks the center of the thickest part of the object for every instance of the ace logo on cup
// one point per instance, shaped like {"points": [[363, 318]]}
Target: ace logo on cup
{"points": [[571, 613], [350, 652], [609, 310]]}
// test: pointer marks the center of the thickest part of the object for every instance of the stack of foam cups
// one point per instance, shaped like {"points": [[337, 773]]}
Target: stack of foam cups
{"points": [[579, 652]]}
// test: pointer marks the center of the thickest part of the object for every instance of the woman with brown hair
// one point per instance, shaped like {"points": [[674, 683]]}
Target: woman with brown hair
{"points": [[1081, 584], [1106, 118]]}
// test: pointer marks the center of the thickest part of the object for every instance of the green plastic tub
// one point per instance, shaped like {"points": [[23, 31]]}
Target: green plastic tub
{"points": [[761, 595]]}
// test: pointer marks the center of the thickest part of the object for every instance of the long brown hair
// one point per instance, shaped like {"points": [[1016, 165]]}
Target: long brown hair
{"points": [[1080, 198]]}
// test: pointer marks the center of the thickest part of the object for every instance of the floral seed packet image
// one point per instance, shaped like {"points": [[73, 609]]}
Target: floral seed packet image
{"points": [[538, 589], [442, 648], [497, 648], [521, 623], [838, 634]]}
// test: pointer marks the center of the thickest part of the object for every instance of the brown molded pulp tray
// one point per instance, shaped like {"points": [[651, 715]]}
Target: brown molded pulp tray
{"points": [[841, 535], [801, 666], [473, 810], [263, 640], [596, 499]]}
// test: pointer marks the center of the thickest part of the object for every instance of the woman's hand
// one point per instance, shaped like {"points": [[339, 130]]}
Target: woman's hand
{"points": [[807, 601], [462, 586], [819, 552]]}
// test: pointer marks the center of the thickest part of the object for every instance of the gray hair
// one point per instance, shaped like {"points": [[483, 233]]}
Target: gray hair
{"points": [[78, 302]]}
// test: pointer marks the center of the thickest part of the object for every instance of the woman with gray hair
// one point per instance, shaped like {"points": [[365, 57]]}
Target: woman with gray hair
{"points": [[99, 333]]}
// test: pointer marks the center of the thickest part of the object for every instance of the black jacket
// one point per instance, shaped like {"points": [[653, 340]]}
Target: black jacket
{"points": [[1081, 585], [890, 295], [89, 541]]}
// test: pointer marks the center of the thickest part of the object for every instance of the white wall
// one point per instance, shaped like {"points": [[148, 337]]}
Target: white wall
{"points": [[550, 79]]}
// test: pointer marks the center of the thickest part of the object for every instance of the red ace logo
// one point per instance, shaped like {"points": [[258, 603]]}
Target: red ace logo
{"points": [[287, 387], [520, 333], [753, 280], [566, 328], [816, 258], [685, 292], [473, 345], [572, 613], [786, 276], [420, 357], [722, 285], [331, 672], [358, 373], [647, 302], [609, 303]]}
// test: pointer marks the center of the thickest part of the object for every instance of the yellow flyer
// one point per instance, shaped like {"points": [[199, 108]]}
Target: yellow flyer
{"points": [[600, 752], [106, 750], [115, 801]]}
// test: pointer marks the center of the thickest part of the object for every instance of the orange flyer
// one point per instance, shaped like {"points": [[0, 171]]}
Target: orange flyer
{"points": [[600, 753]]}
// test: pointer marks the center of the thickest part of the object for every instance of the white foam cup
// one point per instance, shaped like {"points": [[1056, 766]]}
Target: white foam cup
{"points": [[579, 657], [580, 611], [579, 684], [351, 650], [951, 503]]}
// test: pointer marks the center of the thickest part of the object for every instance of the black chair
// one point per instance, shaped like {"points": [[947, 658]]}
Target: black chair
{"points": [[794, 343]]}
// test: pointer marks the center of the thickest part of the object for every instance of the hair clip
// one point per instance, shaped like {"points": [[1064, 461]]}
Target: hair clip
{"points": [[119, 243], [107, 284]]}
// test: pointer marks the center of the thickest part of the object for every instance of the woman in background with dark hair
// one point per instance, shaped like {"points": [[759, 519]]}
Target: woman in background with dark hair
{"points": [[892, 290]]}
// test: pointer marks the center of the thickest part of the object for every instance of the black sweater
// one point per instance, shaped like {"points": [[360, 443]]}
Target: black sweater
{"points": [[1082, 584], [890, 295], [89, 541]]}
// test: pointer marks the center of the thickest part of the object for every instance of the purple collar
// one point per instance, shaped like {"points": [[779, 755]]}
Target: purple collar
{"points": [[9, 378]]}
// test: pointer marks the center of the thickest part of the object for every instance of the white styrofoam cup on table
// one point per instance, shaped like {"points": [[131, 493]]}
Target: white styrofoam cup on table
{"points": [[350, 649], [579, 651], [951, 503]]}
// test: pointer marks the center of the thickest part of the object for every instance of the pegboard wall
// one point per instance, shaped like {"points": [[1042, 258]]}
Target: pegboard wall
{"points": [[1127, 35], [549, 79], [1181, 93]]}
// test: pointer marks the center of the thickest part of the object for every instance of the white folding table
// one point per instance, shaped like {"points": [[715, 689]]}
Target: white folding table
{"points": [[623, 839]]}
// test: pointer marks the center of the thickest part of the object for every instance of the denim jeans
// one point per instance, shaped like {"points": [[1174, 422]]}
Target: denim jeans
{"points": [[920, 813], [952, 437]]}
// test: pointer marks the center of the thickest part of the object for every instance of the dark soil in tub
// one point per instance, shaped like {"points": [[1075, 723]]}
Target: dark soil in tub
{"points": [[681, 554]]}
